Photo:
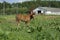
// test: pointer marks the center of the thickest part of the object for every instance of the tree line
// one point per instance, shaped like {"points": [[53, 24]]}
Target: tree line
{"points": [[26, 6]]}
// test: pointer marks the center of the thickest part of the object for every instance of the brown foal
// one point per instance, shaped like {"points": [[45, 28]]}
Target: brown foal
{"points": [[25, 18]]}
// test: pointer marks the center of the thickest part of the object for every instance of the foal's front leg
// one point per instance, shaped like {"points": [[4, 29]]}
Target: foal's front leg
{"points": [[27, 22]]}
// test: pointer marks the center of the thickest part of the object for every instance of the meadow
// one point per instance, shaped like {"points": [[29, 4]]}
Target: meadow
{"points": [[42, 27]]}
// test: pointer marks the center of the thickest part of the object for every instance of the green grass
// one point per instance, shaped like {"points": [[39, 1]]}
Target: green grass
{"points": [[41, 28]]}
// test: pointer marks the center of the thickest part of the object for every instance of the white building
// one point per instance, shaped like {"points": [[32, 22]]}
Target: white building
{"points": [[47, 10]]}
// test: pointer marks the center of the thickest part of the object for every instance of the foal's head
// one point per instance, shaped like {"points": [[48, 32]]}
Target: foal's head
{"points": [[31, 15]]}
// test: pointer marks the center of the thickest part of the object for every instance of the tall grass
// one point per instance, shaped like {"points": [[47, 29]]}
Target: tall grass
{"points": [[41, 28]]}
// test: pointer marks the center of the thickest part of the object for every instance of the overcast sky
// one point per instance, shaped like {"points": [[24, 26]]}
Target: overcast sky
{"points": [[11, 1]]}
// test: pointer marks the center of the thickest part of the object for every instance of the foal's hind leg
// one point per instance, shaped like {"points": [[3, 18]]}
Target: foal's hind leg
{"points": [[18, 22]]}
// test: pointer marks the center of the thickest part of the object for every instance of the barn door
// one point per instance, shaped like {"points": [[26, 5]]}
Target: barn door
{"points": [[39, 11]]}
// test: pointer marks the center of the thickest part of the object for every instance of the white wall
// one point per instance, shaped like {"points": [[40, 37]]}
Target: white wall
{"points": [[56, 13], [52, 13], [42, 11], [47, 12]]}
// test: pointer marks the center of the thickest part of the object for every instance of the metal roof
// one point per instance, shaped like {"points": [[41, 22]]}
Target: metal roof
{"points": [[50, 9]]}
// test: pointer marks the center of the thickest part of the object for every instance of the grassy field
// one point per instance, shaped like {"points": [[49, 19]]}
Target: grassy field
{"points": [[41, 28]]}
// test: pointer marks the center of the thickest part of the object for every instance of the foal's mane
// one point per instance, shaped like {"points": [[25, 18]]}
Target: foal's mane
{"points": [[31, 14]]}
